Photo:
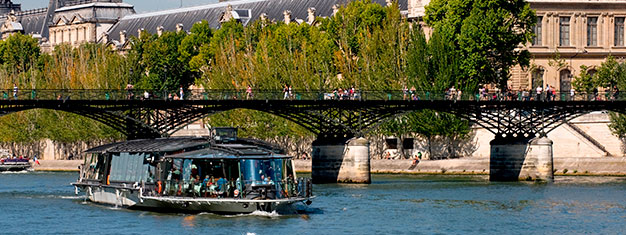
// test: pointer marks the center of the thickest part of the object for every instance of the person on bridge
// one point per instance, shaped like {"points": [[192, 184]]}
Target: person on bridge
{"points": [[249, 92], [286, 92], [15, 91]]}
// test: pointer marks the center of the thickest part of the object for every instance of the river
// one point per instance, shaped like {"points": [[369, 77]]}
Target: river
{"points": [[44, 203]]}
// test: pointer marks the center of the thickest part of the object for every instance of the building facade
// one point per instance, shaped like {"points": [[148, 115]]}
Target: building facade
{"points": [[569, 33]]}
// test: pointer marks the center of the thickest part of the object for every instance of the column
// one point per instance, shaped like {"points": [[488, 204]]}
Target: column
{"points": [[515, 159], [341, 161]]}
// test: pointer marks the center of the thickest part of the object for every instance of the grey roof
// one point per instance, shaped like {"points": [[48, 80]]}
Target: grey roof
{"points": [[229, 151], [151, 145], [212, 13], [33, 21], [94, 12]]}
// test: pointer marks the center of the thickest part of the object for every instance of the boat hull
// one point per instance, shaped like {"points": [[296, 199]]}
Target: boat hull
{"points": [[14, 167], [132, 199]]}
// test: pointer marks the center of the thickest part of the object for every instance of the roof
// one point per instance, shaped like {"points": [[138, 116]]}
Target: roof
{"points": [[248, 10], [151, 145], [229, 151]]}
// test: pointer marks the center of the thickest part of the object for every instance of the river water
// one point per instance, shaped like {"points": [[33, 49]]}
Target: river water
{"points": [[44, 203]]}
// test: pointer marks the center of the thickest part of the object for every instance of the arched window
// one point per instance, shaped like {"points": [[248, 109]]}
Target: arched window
{"points": [[592, 72], [537, 76], [566, 80]]}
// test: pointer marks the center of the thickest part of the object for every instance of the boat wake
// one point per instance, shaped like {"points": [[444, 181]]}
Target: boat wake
{"points": [[73, 197], [15, 172], [272, 214]]}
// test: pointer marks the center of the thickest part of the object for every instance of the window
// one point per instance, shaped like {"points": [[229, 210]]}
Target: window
{"points": [[392, 143], [537, 31], [126, 167], [592, 72], [537, 76], [408, 143], [592, 31], [619, 31], [564, 31], [566, 80]]}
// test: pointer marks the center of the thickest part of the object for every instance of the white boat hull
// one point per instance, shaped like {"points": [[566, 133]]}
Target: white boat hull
{"points": [[130, 198]]}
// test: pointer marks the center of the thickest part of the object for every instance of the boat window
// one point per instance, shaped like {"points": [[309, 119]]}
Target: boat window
{"points": [[94, 166], [256, 171], [127, 167]]}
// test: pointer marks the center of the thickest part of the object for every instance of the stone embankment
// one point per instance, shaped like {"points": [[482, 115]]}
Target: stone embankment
{"points": [[606, 166]]}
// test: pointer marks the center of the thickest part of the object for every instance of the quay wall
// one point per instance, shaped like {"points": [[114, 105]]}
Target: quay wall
{"points": [[608, 166]]}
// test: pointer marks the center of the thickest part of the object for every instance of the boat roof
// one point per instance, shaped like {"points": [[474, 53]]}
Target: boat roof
{"points": [[229, 151], [151, 145]]}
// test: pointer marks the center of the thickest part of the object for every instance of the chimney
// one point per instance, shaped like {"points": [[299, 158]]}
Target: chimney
{"points": [[122, 36], [389, 3], [105, 38], [311, 15], [287, 14], [179, 27], [335, 9], [160, 31]]}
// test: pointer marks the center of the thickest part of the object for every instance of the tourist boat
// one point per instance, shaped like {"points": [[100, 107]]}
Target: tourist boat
{"points": [[7, 163], [14, 164], [222, 175]]}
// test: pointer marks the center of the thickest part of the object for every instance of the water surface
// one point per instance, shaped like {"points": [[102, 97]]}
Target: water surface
{"points": [[44, 203]]}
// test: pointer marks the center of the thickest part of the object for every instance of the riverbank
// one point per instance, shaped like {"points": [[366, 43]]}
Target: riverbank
{"points": [[605, 166]]}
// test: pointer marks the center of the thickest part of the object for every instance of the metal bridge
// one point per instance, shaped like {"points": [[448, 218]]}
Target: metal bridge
{"points": [[330, 115]]}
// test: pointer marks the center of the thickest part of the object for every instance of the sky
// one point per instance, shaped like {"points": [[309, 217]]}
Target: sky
{"points": [[141, 6]]}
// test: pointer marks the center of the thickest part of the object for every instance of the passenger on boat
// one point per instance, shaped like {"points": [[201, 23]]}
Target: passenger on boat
{"points": [[221, 186]]}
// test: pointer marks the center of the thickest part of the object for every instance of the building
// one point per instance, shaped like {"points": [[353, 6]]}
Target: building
{"points": [[582, 32], [113, 21], [570, 33]]}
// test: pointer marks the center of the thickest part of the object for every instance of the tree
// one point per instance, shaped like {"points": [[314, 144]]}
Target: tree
{"points": [[487, 33], [584, 82], [162, 60], [610, 73], [19, 52]]}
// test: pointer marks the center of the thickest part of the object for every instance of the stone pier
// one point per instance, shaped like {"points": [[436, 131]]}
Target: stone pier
{"points": [[514, 159], [341, 161]]}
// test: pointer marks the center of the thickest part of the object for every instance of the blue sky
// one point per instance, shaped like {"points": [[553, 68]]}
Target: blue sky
{"points": [[141, 6]]}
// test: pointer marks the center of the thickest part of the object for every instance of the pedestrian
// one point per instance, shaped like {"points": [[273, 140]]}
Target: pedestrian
{"points": [[14, 91], [539, 92], [286, 92], [146, 95], [182, 92], [405, 92], [290, 92], [249, 92], [571, 93]]}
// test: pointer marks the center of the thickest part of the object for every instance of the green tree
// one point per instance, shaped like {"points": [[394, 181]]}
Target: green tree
{"points": [[584, 82], [19, 53], [487, 33], [162, 60], [610, 73]]}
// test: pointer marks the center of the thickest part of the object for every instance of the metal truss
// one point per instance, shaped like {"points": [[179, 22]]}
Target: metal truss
{"points": [[328, 119]]}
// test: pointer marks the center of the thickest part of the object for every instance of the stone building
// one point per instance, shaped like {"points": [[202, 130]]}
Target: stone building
{"points": [[581, 32], [113, 21]]}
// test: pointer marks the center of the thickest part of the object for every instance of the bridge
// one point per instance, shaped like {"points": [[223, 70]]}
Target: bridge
{"points": [[519, 121]]}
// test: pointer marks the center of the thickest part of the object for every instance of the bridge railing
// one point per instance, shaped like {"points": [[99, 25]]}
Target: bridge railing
{"points": [[200, 94]]}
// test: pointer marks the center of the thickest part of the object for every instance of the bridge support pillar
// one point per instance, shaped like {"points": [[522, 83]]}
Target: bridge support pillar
{"points": [[341, 161], [514, 159]]}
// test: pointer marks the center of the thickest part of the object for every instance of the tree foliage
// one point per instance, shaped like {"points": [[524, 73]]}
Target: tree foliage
{"points": [[486, 33]]}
